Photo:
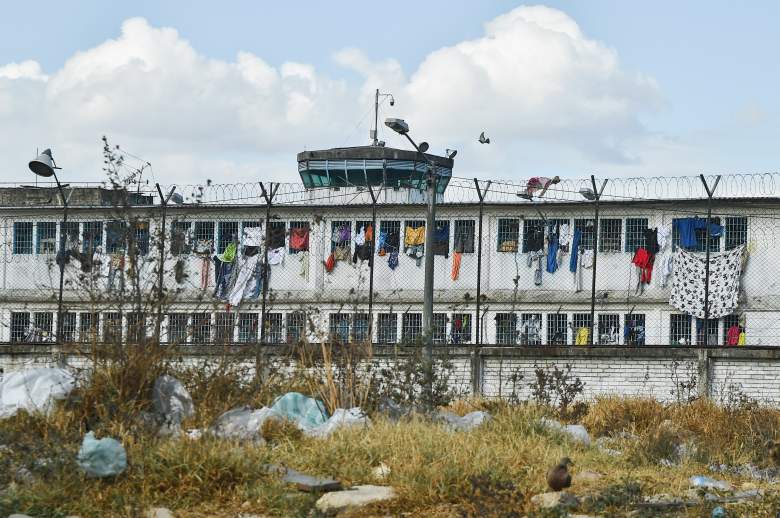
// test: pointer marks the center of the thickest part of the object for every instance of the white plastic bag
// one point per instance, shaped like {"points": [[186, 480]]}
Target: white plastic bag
{"points": [[34, 390]]}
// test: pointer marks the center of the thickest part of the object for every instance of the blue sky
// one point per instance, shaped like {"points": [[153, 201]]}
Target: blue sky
{"points": [[712, 107]]}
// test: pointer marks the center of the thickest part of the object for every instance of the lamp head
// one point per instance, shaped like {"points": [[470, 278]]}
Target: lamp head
{"points": [[43, 165], [398, 125], [392, 100], [424, 147], [588, 193], [451, 153]]}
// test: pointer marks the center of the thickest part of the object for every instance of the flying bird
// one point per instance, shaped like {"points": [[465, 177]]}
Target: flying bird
{"points": [[558, 477], [483, 139]]}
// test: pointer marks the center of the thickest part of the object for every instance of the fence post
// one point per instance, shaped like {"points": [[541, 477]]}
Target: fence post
{"points": [[481, 194], [374, 235], [710, 193], [597, 197], [164, 205], [268, 195]]}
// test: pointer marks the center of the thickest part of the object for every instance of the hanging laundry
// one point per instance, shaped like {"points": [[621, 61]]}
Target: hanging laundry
{"points": [[564, 237], [253, 236], [303, 258], [667, 267], [205, 272], [536, 184], [381, 243], [662, 236], [531, 331], [222, 272], [582, 337], [299, 239], [392, 260], [538, 272], [534, 239], [342, 233], [651, 240], [229, 254], [276, 255], [687, 228], [587, 259], [360, 237], [687, 293], [341, 253], [643, 260], [414, 236], [732, 335], [330, 262], [261, 274], [441, 240], [531, 257], [575, 246], [369, 233], [552, 254], [362, 252], [416, 252], [456, 257], [242, 287], [742, 338]]}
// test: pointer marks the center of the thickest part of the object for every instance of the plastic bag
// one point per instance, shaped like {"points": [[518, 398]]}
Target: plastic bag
{"points": [[34, 390], [341, 418], [308, 413], [242, 423], [466, 423], [101, 457], [709, 483], [171, 401]]}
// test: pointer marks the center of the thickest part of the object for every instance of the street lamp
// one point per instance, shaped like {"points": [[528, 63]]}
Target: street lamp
{"points": [[402, 128], [45, 166]]}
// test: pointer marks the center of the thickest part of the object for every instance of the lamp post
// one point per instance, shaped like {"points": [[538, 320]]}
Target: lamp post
{"points": [[402, 128], [45, 166]]}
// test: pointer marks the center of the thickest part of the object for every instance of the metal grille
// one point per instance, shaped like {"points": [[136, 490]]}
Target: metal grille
{"points": [[223, 327], [736, 232], [440, 328], [506, 328], [464, 235], [387, 328], [360, 327], [557, 327], [580, 321], [71, 231], [277, 236], [609, 329], [177, 328], [533, 235], [20, 324], [248, 327], [635, 233], [441, 238], [112, 327], [461, 328], [23, 237], [142, 237], [680, 329], [335, 230], [339, 327], [46, 240], [89, 325], [68, 327], [392, 231], [44, 325], [92, 236], [204, 233], [228, 233], [180, 237], [586, 227], [729, 321], [508, 234], [299, 225], [275, 329], [711, 329], [701, 236], [531, 329], [610, 235], [201, 328], [115, 236], [634, 330], [296, 327], [411, 328], [136, 327]]}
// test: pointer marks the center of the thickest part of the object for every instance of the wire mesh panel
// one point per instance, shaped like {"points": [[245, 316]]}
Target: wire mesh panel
{"points": [[610, 234], [178, 324], [506, 328]]}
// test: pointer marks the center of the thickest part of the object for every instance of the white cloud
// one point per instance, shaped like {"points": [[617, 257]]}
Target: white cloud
{"points": [[533, 77]]}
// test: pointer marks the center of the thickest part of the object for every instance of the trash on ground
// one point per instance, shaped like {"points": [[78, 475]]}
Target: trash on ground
{"points": [[709, 483], [341, 418], [381, 472], [466, 423], [242, 423], [171, 401], [308, 413], [354, 497], [101, 457], [304, 482], [34, 390]]}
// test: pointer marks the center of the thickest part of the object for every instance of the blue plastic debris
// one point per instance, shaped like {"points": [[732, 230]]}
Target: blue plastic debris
{"points": [[101, 457]]}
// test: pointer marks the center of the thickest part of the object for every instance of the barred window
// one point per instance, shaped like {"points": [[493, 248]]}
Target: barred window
{"points": [[23, 237], [112, 327], [392, 231], [298, 225], [711, 329], [223, 327], [464, 235], [92, 236], [531, 329], [508, 234], [115, 236], [360, 327], [412, 224], [71, 231], [44, 324], [441, 238], [411, 328], [248, 327], [228, 233], [46, 240], [461, 328], [610, 235], [20, 324], [177, 328], [275, 328], [736, 232], [339, 327], [204, 232], [634, 332], [89, 325], [296, 327], [506, 328], [201, 328], [609, 329], [180, 237], [635, 233], [701, 236], [341, 235], [136, 327], [68, 327], [729, 321], [680, 329], [278, 234], [142, 237], [440, 328], [557, 327], [387, 328], [533, 235], [250, 224], [587, 228], [579, 321]]}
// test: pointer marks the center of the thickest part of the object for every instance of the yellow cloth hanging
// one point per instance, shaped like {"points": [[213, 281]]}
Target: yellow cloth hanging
{"points": [[583, 336], [741, 340], [414, 236]]}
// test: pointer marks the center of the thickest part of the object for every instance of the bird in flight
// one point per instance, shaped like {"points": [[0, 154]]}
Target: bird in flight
{"points": [[483, 139]]}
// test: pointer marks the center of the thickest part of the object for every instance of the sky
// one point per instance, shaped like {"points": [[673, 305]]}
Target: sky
{"points": [[230, 92]]}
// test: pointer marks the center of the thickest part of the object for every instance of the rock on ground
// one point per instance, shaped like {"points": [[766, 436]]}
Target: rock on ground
{"points": [[159, 512], [354, 497], [555, 499], [576, 432], [586, 477]]}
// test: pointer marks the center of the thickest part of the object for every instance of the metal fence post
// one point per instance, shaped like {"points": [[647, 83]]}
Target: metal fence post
{"points": [[597, 196], [710, 193], [268, 195], [164, 205], [374, 235], [481, 194]]}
